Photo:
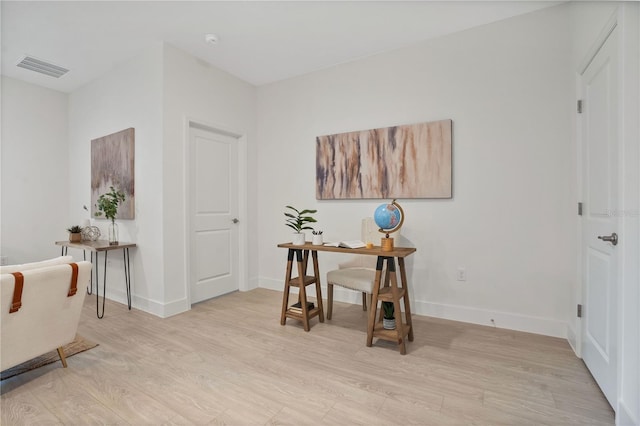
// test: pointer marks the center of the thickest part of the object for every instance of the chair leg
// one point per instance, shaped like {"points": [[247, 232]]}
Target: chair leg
{"points": [[364, 301], [329, 300], [368, 300], [62, 357]]}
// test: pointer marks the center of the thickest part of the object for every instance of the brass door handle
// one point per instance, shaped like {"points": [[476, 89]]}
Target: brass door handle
{"points": [[613, 238]]}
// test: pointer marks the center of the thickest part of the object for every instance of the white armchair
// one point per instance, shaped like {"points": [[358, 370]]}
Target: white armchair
{"points": [[41, 305]]}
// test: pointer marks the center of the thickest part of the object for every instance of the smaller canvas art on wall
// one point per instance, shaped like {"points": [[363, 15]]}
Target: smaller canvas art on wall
{"points": [[112, 164], [410, 161]]}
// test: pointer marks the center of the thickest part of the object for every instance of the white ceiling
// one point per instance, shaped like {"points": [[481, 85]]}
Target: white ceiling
{"points": [[259, 42]]}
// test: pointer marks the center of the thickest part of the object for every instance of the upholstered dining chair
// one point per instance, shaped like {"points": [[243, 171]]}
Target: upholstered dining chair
{"points": [[359, 273]]}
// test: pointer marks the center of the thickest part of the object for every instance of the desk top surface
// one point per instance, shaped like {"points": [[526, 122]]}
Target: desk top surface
{"points": [[373, 251], [98, 245]]}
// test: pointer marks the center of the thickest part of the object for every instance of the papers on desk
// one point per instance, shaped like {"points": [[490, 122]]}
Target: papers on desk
{"points": [[353, 244]]}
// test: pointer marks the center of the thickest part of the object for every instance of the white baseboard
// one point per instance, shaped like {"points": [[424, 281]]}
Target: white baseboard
{"points": [[175, 307], [572, 339], [147, 305], [511, 321], [254, 283], [508, 320], [624, 417], [271, 284]]}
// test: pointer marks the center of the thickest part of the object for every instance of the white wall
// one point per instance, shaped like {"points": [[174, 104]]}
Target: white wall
{"points": [[130, 95], [196, 91], [512, 220], [34, 152]]}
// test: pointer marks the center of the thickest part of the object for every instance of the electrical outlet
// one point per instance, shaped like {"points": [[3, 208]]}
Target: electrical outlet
{"points": [[461, 273], [4, 260]]}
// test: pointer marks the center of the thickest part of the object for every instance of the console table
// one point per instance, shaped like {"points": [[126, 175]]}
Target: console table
{"points": [[97, 247], [389, 290]]}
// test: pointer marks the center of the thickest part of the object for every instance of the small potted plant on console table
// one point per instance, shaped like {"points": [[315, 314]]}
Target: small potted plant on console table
{"points": [[75, 235]]}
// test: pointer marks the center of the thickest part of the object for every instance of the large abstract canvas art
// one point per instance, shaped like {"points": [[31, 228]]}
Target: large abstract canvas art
{"points": [[112, 164], [409, 161]]}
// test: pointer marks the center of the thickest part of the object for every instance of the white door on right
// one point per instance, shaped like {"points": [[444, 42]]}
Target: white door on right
{"points": [[600, 216]]}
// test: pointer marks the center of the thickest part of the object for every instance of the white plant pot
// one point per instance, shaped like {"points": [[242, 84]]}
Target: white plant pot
{"points": [[317, 240], [389, 323], [298, 239]]}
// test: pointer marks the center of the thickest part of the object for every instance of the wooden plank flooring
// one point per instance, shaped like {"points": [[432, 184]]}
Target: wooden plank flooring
{"points": [[229, 361]]}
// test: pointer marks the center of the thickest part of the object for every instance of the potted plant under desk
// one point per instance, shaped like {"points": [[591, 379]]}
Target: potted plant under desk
{"points": [[108, 205], [298, 222], [388, 317]]}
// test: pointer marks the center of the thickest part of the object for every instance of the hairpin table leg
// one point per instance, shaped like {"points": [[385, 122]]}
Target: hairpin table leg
{"points": [[90, 288], [104, 286], [127, 275]]}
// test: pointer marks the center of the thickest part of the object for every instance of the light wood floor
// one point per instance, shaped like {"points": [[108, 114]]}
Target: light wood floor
{"points": [[229, 361]]}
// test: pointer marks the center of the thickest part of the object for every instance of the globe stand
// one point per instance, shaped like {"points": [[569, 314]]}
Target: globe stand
{"points": [[387, 226], [386, 243]]}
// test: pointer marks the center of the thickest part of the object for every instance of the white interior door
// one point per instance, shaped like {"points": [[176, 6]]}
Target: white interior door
{"points": [[600, 196], [213, 196]]}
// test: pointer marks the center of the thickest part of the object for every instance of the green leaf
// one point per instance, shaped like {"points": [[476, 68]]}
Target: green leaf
{"points": [[108, 203], [297, 221]]}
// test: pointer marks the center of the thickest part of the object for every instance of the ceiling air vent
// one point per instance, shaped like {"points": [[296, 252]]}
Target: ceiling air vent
{"points": [[42, 67]]}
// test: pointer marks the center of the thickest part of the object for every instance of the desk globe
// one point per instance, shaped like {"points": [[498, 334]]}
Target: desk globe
{"points": [[389, 217]]}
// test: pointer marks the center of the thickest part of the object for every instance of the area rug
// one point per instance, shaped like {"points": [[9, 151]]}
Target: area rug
{"points": [[79, 344]]}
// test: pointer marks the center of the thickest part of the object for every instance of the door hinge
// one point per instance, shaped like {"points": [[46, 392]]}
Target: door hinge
{"points": [[579, 311], [579, 106], [579, 209]]}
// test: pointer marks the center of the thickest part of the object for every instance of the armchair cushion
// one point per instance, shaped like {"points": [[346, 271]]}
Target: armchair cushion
{"points": [[360, 279]]}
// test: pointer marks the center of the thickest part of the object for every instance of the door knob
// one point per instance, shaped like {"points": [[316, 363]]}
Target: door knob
{"points": [[613, 238], [235, 220]]}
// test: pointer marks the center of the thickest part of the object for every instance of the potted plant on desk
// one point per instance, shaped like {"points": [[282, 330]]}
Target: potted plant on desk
{"points": [[108, 205], [298, 222], [75, 235]]}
